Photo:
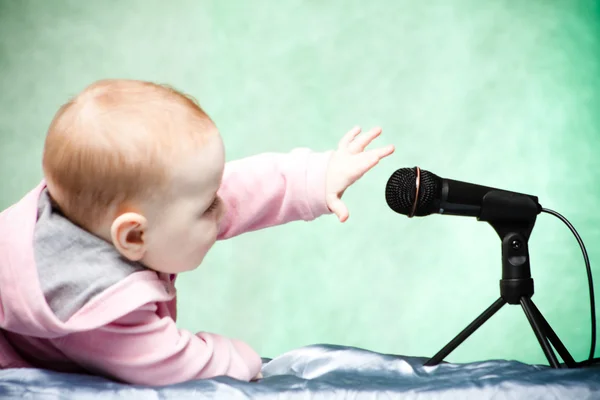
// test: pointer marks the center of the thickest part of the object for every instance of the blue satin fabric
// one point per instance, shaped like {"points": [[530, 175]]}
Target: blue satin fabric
{"points": [[331, 372]]}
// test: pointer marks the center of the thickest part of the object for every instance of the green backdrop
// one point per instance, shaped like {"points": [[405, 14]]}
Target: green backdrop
{"points": [[498, 92]]}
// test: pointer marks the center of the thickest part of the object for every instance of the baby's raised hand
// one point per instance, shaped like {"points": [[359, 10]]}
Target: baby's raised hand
{"points": [[348, 164]]}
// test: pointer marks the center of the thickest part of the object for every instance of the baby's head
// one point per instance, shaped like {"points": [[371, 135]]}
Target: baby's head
{"points": [[139, 165]]}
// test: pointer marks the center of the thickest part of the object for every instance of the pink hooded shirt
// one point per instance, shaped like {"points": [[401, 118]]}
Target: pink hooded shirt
{"points": [[128, 332]]}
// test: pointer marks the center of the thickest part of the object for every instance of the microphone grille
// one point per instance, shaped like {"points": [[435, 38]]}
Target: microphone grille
{"points": [[401, 189]]}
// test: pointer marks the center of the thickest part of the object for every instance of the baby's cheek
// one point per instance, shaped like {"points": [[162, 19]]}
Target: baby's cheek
{"points": [[206, 232]]}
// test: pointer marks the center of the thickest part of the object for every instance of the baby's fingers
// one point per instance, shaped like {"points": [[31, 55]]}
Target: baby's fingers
{"points": [[337, 206], [348, 137], [382, 151], [371, 158], [258, 376], [361, 142]]}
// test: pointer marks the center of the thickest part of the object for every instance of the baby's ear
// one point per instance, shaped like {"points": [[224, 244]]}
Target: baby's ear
{"points": [[127, 235]]}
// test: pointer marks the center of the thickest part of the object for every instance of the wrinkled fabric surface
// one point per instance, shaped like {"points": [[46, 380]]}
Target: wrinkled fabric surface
{"points": [[331, 372]]}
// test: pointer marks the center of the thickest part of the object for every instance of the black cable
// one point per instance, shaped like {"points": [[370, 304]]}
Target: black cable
{"points": [[591, 358]]}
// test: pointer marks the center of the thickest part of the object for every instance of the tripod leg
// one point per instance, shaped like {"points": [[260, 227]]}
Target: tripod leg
{"points": [[553, 337], [461, 337], [526, 303]]}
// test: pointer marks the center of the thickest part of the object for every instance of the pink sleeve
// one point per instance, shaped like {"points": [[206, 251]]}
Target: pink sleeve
{"points": [[142, 348], [272, 189]]}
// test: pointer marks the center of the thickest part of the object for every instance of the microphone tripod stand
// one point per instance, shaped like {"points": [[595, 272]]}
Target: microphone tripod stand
{"points": [[513, 218]]}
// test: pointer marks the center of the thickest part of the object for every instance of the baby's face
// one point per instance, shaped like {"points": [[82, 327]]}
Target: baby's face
{"points": [[183, 223]]}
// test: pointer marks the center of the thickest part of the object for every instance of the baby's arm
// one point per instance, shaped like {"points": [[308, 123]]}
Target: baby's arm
{"points": [[272, 189], [143, 348]]}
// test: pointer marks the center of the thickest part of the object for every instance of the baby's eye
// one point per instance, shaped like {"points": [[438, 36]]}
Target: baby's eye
{"points": [[213, 206]]}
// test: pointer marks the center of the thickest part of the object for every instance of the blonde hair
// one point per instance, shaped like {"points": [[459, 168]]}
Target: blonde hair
{"points": [[113, 144]]}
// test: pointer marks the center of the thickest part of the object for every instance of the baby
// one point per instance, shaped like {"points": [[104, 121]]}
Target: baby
{"points": [[135, 191]]}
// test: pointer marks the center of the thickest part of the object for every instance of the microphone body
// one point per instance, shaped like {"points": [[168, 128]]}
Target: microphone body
{"points": [[417, 192]]}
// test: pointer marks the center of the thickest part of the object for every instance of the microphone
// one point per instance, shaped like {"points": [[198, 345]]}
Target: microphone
{"points": [[417, 192]]}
